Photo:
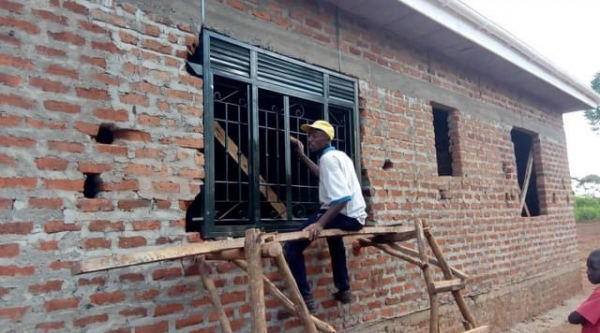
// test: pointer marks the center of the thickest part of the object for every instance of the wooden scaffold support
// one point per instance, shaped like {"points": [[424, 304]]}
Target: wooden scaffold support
{"points": [[248, 254], [209, 285]]}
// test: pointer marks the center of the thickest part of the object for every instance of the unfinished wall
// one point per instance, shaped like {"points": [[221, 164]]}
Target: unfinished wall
{"points": [[68, 67]]}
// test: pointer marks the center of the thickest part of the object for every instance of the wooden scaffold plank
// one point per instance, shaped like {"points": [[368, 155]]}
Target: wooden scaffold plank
{"points": [[177, 252]]}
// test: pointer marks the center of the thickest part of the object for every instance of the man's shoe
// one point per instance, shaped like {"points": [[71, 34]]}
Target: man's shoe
{"points": [[343, 297]]}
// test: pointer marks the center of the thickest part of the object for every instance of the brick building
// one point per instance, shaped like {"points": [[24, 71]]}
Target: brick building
{"points": [[108, 139]]}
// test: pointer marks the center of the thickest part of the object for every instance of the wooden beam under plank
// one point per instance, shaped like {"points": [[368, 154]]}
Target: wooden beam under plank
{"points": [[481, 329], [176, 252]]}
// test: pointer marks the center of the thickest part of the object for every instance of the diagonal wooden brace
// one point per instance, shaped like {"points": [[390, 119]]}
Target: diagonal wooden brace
{"points": [[292, 287], [286, 302], [209, 285], [434, 324], [469, 322], [242, 160]]}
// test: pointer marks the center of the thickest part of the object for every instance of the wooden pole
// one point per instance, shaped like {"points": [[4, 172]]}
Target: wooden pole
{"points": [[526, 209], [389, 250], [526, 181], [292, 287], [460, 301], [215, 299], [433, 302], [252, 248], [286, 302]]}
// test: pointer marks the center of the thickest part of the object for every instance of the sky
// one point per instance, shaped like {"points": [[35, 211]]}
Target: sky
{"points": [[566, 32]]}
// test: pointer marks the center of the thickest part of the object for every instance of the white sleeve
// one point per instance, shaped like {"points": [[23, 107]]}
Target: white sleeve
{"points": [[336, 184]]}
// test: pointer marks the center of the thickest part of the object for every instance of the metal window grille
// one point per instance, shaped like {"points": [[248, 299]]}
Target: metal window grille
{"points": [[254, 101]]}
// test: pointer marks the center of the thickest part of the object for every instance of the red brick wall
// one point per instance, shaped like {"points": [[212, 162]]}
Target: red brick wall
{"points": [[65, 69], [68, 67]]}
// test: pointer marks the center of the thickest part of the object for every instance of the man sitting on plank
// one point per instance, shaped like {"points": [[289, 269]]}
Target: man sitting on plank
{"points": [[342, 207]]}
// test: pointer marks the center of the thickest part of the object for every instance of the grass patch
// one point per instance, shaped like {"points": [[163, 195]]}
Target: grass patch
{"points": [[587, 208]]}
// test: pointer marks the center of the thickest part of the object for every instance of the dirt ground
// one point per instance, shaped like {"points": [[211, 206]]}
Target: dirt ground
{"points": [[555, 321]]}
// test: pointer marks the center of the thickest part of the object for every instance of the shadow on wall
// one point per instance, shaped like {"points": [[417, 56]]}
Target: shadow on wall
{"points": [[194, 210]]}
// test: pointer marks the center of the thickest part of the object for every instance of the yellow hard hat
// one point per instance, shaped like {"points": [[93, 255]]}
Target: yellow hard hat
{"points": [[320, 125]]}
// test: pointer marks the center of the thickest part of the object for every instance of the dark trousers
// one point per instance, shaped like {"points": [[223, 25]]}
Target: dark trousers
{"points": [[295, 257]]}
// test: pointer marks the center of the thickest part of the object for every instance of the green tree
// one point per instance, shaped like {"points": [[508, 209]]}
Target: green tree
{"points": [[593, 115], [589, 184]]}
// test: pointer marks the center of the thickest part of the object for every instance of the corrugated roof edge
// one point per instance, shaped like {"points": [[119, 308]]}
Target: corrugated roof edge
{"points": [[465, 21]]}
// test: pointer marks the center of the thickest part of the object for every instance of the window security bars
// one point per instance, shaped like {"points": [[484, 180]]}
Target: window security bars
{"points": [[254, 101]]}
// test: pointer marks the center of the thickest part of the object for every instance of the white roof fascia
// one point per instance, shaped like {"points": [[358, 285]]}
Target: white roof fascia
{"points": [[466, 22]]}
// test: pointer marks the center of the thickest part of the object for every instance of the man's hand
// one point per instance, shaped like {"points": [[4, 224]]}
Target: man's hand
{"points": [[299, 148], [298, 145], [314, 230]]}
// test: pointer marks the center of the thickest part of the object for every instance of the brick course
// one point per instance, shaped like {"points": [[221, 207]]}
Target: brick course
{"points": [[70, 66]]}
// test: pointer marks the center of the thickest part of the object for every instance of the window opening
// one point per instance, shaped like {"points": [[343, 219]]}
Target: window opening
{"points": [[523, 143], [442, 141], [256, 101]]}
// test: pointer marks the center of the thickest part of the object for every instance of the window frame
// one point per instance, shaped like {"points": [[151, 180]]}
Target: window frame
{"points": [[207, 221]]}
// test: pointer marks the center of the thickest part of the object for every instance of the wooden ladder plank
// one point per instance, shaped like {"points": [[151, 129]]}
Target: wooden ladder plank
{"points": [[242, 161], [448, 285]]}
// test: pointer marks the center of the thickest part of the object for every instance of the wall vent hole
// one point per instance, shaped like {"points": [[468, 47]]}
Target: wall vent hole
{"points": [[91, 185], [105, 135], [388, 164]]}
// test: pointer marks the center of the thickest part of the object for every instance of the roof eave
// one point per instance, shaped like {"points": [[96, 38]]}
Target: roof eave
{"points": [[466, 22]]}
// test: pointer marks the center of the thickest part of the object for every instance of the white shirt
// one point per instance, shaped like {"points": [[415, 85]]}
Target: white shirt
{"points": [[338, 183]]}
